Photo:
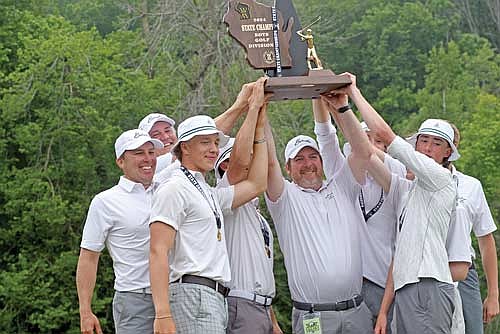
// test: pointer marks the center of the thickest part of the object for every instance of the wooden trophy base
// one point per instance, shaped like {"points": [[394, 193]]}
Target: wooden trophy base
{"points": [[309, 86]]}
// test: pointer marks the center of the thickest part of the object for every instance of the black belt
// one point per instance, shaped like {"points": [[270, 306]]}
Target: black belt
{"points": [[204, 281], [338, 306]]}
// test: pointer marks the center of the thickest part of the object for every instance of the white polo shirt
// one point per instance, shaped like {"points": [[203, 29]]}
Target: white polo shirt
{"points": [[251, 267], [163, 175], [329, 147], [424, 218], [318, 232], [378, 245], [378, 241], [196, 251], [473, 212], [118, 219], [163, 161]]}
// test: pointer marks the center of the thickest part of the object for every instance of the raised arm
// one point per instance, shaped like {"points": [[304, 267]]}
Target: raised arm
{"points": [[374, 121], [361, 147], [225, 121], [86, 272], [161, 241], [241, 154], [326, 135], [256, 183], [275, 182]]}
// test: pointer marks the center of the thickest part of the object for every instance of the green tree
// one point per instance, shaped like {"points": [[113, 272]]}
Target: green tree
{"points": [[68, 98]]}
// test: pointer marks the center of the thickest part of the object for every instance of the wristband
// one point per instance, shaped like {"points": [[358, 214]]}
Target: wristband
{"points": [[259, 141], [343, 109]]}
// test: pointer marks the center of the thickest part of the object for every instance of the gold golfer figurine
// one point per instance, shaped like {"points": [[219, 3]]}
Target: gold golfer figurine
{"points": [[312, 56]]}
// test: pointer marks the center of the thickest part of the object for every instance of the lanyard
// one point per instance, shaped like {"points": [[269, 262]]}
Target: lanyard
{"points": [[195, 183], [375, 209], [265, 234]]}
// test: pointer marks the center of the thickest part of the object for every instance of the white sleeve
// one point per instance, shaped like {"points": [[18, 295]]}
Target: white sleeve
{"points": [[458, 240], [169, 205], [224, 196], [394, 165], [483, 222], [277, 207], [430, 175], [97, 226], [329, 148]]}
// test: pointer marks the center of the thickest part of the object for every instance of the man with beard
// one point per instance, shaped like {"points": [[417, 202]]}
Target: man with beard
{"points": [[319, 226]]}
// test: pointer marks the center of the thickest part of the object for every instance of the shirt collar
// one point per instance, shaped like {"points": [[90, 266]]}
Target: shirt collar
{"points": [[130, 186]]}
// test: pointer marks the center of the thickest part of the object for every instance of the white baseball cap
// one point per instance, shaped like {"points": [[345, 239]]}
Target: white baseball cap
{"points": [[197, 126], [133, 139], [296, 144], [224, 154], [147, 122], [438, 128]]}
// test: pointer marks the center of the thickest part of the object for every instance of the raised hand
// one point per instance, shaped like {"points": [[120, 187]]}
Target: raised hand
{"points": [[257, 98]]}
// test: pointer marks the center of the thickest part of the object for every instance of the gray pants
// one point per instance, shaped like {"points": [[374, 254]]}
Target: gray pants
{"points": [[425, 307], [248, 317], [133, 312], [357, 320], [197, 309], [373, 295], [472, 303]]}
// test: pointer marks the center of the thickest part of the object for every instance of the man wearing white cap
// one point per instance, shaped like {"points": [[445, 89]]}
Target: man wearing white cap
{"points": [[161, 127], [249, 243], [118, 219], [420, 274], [319, 227], [187, 224], [475, 215]]}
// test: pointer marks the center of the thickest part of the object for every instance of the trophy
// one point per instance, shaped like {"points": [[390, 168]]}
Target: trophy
{"points": [[275, 42]]}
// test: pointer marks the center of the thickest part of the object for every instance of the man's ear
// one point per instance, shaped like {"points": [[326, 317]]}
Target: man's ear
{"points": [[184, 147], [120, 161], [450, 151]]}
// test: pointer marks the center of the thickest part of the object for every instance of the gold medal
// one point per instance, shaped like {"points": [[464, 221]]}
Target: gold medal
{"points": [[219, 234]]}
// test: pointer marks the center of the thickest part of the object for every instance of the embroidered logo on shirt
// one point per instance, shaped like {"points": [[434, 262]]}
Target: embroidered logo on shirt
{"points": [[329, 195]]}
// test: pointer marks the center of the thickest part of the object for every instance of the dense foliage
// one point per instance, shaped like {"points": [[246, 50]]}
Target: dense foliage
{"points": [[74, 74]]}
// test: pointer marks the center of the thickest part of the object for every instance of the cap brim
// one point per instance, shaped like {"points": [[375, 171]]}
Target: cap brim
{"points": [[297, 149], [143, 140]]}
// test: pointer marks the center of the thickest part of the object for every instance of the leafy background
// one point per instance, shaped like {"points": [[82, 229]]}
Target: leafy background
{"points": [[74, 74]]}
